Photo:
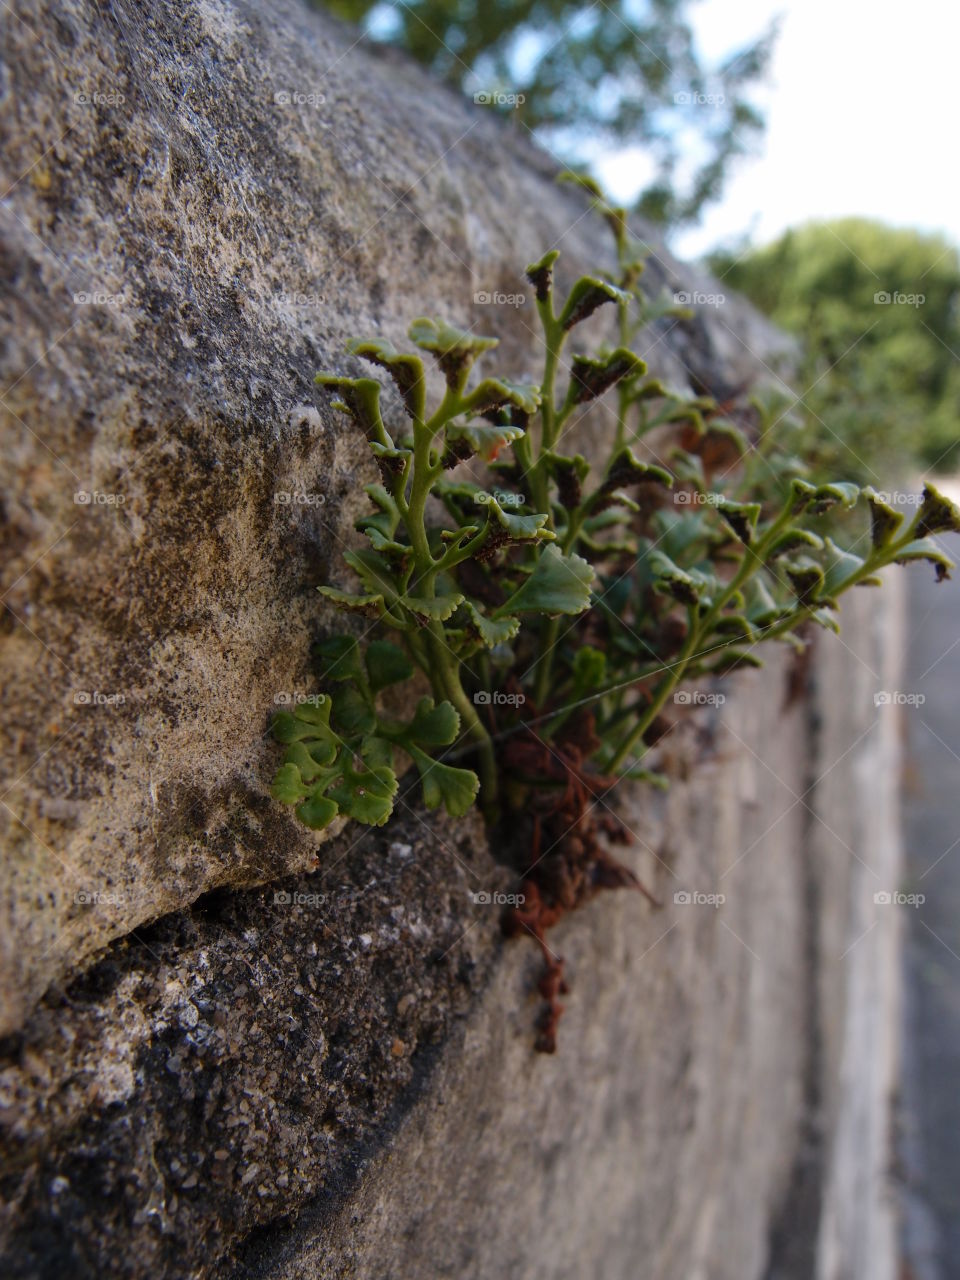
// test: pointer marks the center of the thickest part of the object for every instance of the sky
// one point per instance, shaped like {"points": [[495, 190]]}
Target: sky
{"points": [[862, 105]]}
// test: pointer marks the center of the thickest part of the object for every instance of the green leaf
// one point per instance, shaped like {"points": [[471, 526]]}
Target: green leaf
{"points": [[591, 378], [432, 726], [313, 761], [386, 664], [494, 393], [455, 349], [371, 606], [317, 812], [671, 580], [376, 751], [734, 660], [838, 565], [741, 517], [455, 789], [589, 670], [558, 584], [927, 549], [569, 474], [841, 493], [484, 441], [884, 521], [806, 578], [490, 631], [366, 794], [540, 274], [406, 370], [626, 470], [352, 711], [287, 785], [360, 397], [340, 658], [518, 528], [937, 514], [586, 296], [436, 608], [794, 540]]}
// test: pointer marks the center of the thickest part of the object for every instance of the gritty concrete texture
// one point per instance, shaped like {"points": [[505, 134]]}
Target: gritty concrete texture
{"points": [[203, 203], [343, 1085], [233, 1050]]}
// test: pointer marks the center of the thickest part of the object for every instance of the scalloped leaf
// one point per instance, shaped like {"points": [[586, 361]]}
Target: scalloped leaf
{"points": [[436, 608], [317, 812], [742, 518], [386, 664], [360, 398], [792, 540], [495, 393], [371, 606], [558, 584], [586, 296], [365, 794], [340, 658], [540, 274], [455, 349], [927, 549], [671, 580], [406, 370], [591, 378], [490, 631], [455, 789], [485, 441], [884, 520], [432, 726], [937, 514]]}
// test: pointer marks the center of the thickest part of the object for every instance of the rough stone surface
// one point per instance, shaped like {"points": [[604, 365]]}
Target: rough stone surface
{"points": [[179, 253], [200, 1077], [344, 1085]]}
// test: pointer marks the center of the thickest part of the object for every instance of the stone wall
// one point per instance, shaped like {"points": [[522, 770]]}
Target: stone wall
{"points": [[200, 1077]]}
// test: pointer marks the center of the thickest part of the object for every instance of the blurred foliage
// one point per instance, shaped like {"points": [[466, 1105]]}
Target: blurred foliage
{"points": [[883, 377], [612, 74]]}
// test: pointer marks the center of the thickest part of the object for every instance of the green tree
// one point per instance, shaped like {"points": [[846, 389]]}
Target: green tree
{"points": [[623, 72], [876, 310]]}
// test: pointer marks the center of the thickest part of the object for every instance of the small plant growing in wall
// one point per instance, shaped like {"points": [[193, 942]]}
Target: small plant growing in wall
{"points": [[555, 611]]}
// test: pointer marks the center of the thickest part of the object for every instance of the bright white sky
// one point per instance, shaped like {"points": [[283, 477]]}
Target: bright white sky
{"points": [[862, 111]]}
